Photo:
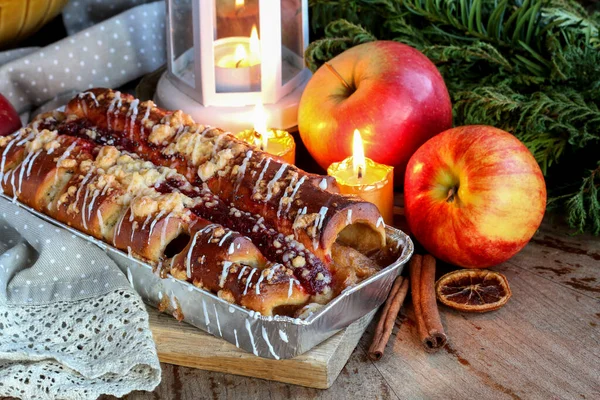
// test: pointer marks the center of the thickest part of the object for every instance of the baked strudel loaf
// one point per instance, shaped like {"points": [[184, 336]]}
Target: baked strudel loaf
{"points": [[194, 201]]}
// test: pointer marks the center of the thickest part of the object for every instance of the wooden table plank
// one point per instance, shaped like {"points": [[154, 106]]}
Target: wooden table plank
{"points": [[182, 344], [571, 260], [545, 343], [358, 379]]}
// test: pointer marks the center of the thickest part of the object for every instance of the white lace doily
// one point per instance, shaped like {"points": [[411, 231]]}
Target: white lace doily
{"points": [[77, 350]]}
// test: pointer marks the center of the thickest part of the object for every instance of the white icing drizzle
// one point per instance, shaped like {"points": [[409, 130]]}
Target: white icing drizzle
{"points": [[261, 175], [224, 272], [100, 220], [145, 117], [379, 222], [5, 153], [216, 143], [318, 225], [154, 221], [130, 277], [85, 197], [269, 345], [83, 183], [90, 94], [133, 112], [231, 249], [251, 337], [160, 295], [188, 261], [225, 236], [249, 280], [260, 279], [242, 272], [118, 227], [12, 183], [111, 107], [323, 184], [283, 336], [300, 182], [91, 206], [63, 157], [242, 171], [272, 271], [349, 217], [237, 344], [284, 196], [28, 138], [290, 288], [24, 164], [273, 181], [146, 221], [206, 318], [163, 232], [31, 163], [189, 253], [322, 214]]}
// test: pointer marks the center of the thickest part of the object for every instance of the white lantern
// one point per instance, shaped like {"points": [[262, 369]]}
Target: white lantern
{"points": [[225, 56]]}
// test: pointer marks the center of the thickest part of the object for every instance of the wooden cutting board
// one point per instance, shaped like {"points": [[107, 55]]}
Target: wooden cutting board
{"points": [[182, 344]]}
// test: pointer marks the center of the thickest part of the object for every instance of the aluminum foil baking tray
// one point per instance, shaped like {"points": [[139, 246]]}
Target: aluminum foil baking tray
{"points": [[276, 337]]}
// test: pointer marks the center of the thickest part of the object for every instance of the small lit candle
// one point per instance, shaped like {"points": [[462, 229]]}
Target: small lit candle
{"points": [[361, 176], [237, 63], [276, 142]]}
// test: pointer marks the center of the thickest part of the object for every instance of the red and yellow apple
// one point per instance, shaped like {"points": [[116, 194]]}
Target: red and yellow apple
{"points": [[474, 196], [9, 119], [389, 91]]}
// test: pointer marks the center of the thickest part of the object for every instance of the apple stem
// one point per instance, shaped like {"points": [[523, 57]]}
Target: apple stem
{"points": [[337, 74], [452, 194]]}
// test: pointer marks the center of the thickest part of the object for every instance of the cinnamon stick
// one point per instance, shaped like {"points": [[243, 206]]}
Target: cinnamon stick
{"points": [[429, 325], [388, 316]]}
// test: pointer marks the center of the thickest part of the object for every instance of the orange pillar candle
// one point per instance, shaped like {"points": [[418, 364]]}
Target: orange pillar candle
{"points": [[276, 142], [363, 177]]}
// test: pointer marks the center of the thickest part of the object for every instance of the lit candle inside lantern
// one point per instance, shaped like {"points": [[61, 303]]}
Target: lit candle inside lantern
{"points": [[237, 63], [361, 176], [276, 142]]}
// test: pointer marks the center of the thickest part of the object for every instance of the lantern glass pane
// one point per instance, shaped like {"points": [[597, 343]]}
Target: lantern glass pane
{"points": [[291, 39], [237, 46], [182, 41]]}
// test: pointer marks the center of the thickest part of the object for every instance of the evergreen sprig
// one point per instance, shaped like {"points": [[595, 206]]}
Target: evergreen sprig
{"points": [[531, 67]]}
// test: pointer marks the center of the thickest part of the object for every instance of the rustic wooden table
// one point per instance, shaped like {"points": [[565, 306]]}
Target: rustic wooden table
{"points": [[545, 343]]}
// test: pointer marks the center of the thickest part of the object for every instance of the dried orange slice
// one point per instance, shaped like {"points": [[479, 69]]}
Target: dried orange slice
{"points": [[473, 290]]}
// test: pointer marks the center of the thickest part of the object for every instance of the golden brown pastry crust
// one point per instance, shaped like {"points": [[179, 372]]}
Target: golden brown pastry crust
{"points": [[286, 199], [112, 195]]}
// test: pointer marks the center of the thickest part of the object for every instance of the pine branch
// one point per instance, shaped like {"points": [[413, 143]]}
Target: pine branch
{"points": [[546, 122], [341, 35], [584, 206]]}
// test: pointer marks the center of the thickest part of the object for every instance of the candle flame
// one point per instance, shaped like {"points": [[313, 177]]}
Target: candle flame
{"points": [[260, 125], [358, 155], [254, 43], [240, 54], [239, 4]]}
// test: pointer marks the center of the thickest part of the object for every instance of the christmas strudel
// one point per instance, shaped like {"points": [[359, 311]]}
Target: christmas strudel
{"points": [[193, 201]]}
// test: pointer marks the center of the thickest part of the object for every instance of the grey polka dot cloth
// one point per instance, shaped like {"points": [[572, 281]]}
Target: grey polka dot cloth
{"points": [[110, 53], [71, 326]]}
